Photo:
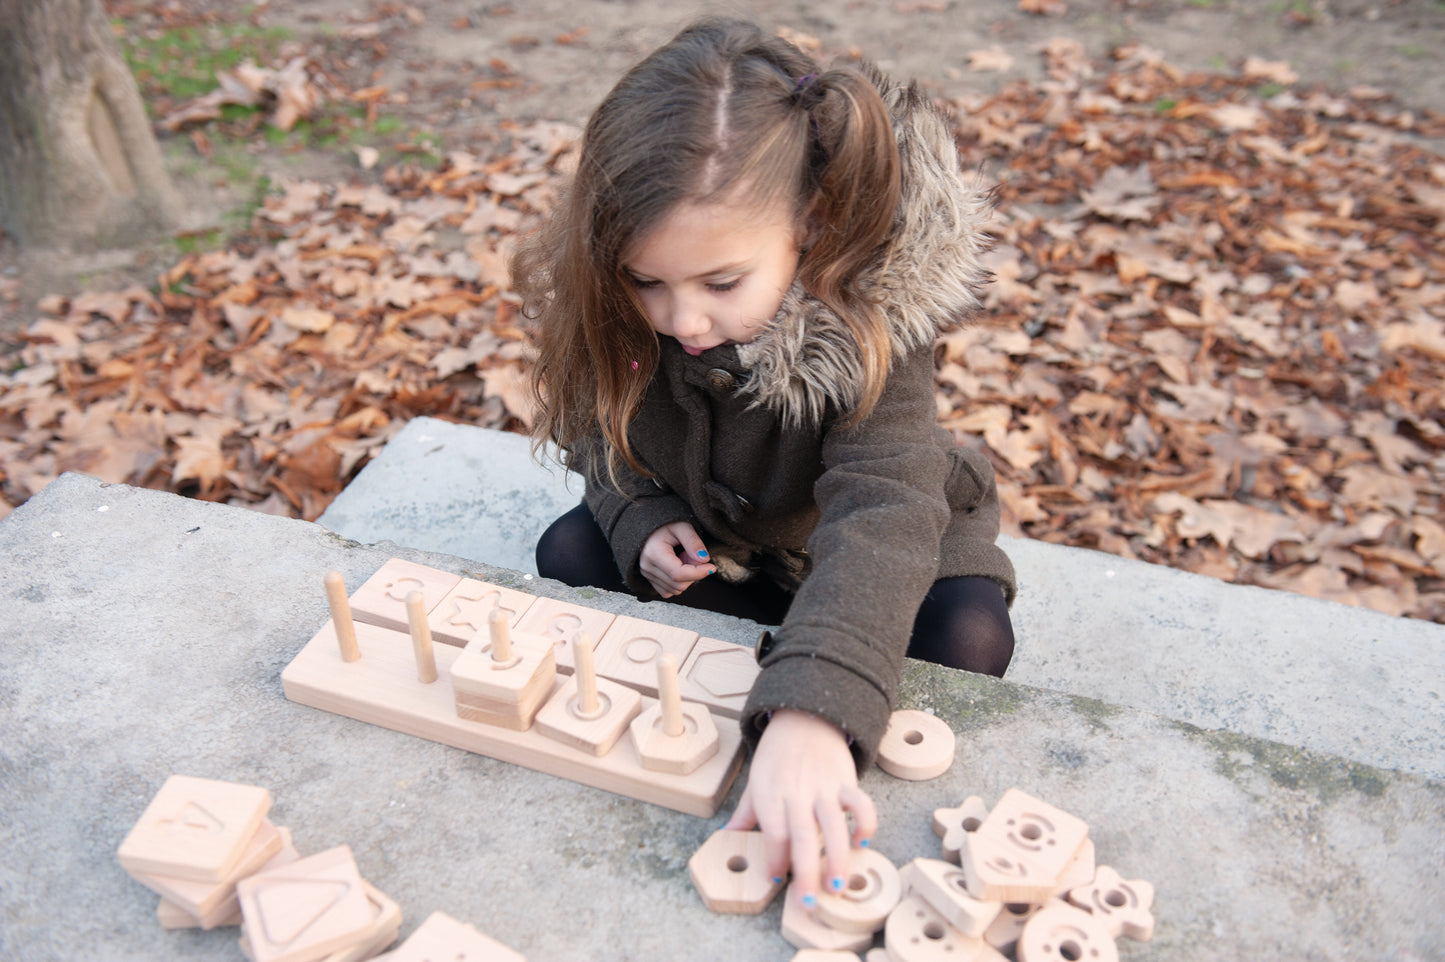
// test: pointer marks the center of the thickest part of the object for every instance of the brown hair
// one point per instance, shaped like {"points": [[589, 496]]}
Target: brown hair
{"points": [[723, 107]]}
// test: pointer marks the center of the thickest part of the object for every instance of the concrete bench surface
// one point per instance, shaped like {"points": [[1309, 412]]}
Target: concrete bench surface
{"points": [[1329, 677], [145, 635]]}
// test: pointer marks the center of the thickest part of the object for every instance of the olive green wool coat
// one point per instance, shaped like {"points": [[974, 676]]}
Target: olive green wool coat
{"points": [[746, 444]]}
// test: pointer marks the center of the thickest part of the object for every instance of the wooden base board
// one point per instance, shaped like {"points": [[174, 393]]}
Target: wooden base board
{"points": [[381, 688]]}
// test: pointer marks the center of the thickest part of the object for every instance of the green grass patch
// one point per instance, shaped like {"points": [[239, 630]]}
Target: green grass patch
{"points": [[181, 63]]}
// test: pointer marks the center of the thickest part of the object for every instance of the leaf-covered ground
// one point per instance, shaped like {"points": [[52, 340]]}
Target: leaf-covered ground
{"points": [[1215, 340]]}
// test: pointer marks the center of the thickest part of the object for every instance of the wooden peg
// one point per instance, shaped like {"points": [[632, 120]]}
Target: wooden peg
{"points": [[669, 696], [501, 634], [341, 616], [586, 673], [426, 665]]}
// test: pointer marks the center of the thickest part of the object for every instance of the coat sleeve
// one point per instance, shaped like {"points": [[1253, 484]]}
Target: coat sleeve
{"points": [[627, 511], [883, 511]]}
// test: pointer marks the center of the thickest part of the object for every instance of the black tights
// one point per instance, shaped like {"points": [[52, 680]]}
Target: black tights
{"points": [[962, 623]]}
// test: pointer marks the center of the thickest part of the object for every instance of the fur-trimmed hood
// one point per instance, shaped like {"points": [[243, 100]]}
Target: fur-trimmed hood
{"points": [[927, 282]]}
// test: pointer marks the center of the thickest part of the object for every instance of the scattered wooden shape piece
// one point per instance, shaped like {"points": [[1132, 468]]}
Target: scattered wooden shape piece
{"points": [[567, 716], [557, 621], [672, 735], [824, 955], [804, 930], [916, 746], [1021, 850], [630, 650], [462, 615], [1003, 933], [1080, 871], [443, 937], [172, 916], [719, 674], [200, 899], [194, 828], [730, 873], [1060, 932], [945, 887], [871, 890], [915, 932], [384, 930], [381, 600], [1124, 905], [305, 910], [952, 824]]}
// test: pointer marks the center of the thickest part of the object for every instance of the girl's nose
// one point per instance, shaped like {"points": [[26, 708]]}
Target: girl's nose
{"points": [[689, 320]]}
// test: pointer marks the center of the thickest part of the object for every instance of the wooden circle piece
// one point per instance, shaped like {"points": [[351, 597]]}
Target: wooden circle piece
{"points": [[917, 746], [871, 890]]}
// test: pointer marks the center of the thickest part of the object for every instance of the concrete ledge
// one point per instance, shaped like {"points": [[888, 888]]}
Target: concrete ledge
{"points": [[144, 634], [1323, 676]]}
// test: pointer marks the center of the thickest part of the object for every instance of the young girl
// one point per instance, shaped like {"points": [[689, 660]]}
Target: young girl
{"points": [[738, 300]]}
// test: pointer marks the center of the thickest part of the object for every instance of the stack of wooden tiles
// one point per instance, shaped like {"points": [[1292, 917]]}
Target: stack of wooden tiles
{"points": [[1016, 881], [381, 686], [208, 849]]}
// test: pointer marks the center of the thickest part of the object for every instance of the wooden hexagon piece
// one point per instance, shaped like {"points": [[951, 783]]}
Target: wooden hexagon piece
{"points": [[680, 754], [916, 746], [871, 890], [1124, 906], [1060, 932], [730, 873]]}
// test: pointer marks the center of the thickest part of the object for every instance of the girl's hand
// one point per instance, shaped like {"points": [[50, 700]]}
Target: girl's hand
{"points": [[803, 781], [668, 573]]}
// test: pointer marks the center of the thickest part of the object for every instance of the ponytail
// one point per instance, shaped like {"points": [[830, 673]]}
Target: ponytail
{"points": [[857, 182]]}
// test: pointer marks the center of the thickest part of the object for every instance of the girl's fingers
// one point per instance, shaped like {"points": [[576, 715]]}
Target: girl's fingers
{"points": [[803, 829], [865, 815], [744, 818], [836, 844], [693, 550]]}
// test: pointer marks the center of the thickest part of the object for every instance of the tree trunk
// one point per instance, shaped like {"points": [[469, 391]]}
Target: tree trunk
{"points": [[79, 165]]}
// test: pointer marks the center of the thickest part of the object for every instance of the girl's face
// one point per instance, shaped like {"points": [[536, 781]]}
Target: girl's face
{"points": [[714, 274]]}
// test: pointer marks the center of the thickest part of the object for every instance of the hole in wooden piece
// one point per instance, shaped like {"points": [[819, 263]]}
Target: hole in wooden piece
{"points": [[604, 705], [1116, 898], [913, 738], [972, 824], [1019, 908], [738, 863], [933, 930], [857, 883], [1031, 832], [1071, 951]]}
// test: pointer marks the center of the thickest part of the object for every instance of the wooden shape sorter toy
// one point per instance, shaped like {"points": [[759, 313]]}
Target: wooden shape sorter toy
{"points": [[462, 613], [195, 828], [381, 687], [631, 649], [719, 674]]}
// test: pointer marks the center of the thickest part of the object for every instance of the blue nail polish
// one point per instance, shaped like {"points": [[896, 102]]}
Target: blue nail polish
{"points": [[810, 900], [864, 843], [837, 884], [777, 880], [702, 552]]}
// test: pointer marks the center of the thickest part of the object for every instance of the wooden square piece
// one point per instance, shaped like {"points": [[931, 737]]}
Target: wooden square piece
{"points": [[462, 614], [306, 909], [443, 937], [194, 828], [630, 650], [382, 599], [558, 621]]}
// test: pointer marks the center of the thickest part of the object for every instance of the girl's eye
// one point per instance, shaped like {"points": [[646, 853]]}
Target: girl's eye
{"points": [[640, 283], [726, 286]]}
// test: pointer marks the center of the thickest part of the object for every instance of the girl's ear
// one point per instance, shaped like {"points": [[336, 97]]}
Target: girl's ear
{"points": [[810, 227]]}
